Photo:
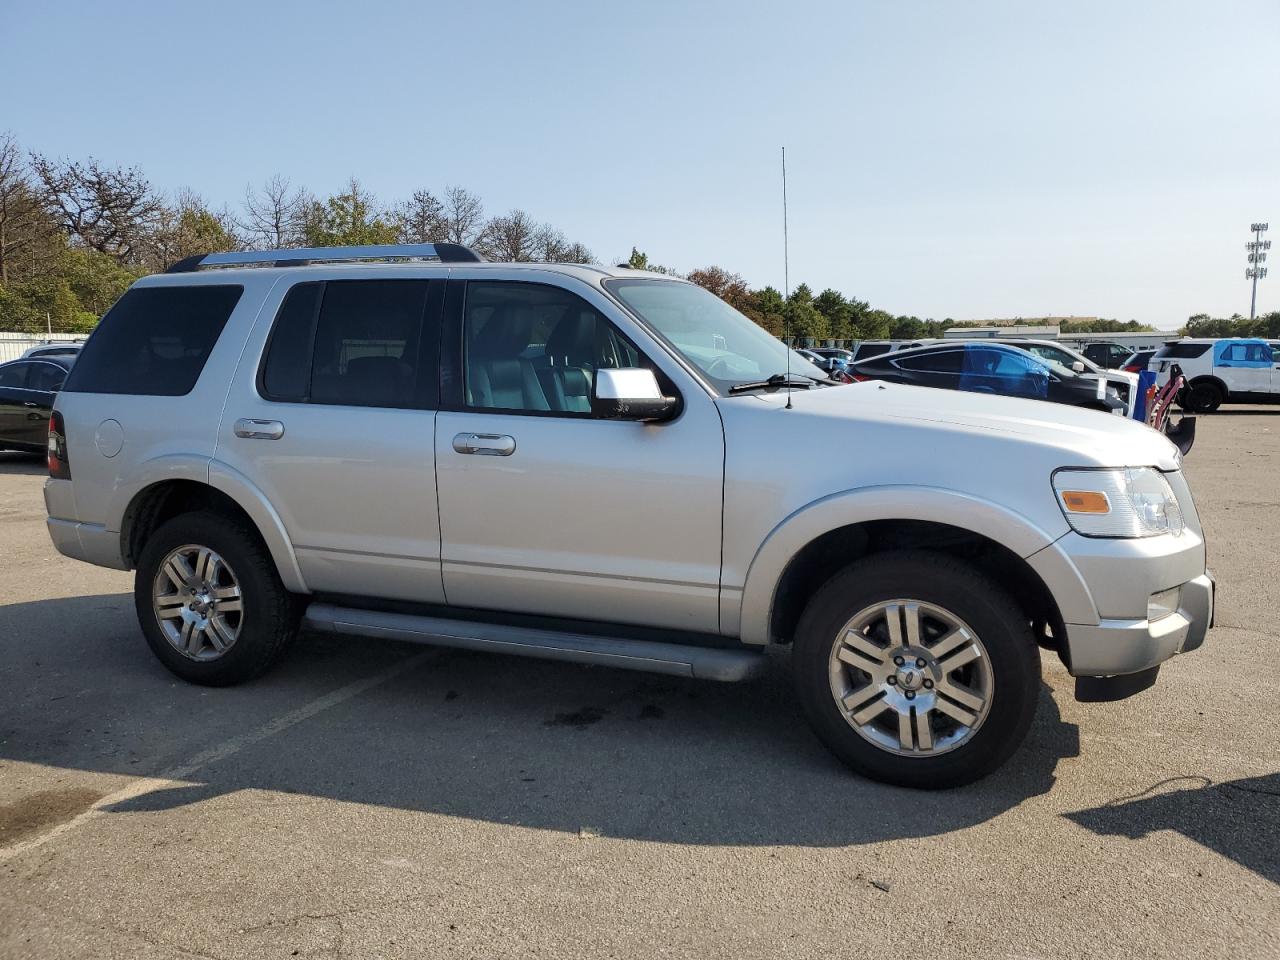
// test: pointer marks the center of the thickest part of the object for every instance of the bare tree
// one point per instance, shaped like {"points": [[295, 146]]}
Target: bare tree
{"points": [[549, 244], [513, 237], [188, 226], [576, 253], [108, 209], [421, 219], [24, 224], [463, 217], [274, 215]]}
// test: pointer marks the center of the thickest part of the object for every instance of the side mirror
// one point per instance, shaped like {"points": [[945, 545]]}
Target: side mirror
{"points": [[630, 393], [1078, 366]]}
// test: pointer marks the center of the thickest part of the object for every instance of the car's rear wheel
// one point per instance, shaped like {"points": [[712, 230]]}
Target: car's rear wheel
{"points": [[916, 670], [1204, 397], [210, 602]]}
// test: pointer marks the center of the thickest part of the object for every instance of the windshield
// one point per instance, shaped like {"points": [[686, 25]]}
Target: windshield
{"points": [[727, 347], [1061, 357]]}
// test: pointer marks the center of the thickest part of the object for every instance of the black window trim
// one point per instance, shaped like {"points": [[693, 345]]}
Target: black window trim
{"points": [[453, 362], [426, 387]]}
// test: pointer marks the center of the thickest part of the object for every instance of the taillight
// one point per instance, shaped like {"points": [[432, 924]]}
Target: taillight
{"points": [[59, 465]]}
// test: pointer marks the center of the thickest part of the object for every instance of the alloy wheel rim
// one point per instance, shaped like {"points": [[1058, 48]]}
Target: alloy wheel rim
{"points": [[197, 602], [911, 678]]}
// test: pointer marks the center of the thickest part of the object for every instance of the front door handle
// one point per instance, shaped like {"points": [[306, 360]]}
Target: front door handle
{"points": [[259, 429], [30, 403], [485, 444]]}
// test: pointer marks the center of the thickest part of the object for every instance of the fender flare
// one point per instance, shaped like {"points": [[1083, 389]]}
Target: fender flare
{"points": [[241, 489], [1213, 379], [897, 502]]}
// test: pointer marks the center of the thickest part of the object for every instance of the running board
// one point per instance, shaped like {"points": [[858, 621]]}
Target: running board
{"points": [[676, 659]]}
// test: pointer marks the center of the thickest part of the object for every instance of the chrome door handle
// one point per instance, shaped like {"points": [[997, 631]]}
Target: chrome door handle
{"points": [[485, 444], [259, 429], [30, 403]]}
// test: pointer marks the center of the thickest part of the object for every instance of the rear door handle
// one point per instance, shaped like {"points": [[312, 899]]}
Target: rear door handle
{"points": [[259, 429], [485, 444], [30, 403]]}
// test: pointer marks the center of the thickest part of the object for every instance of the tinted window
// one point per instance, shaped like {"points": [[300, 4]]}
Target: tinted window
{"points": [[1182, 351], [366, 344], [14, 375], [154, 341], [286, 374], [45, 376], [872, 350], [944, 361], [532, 347], [1275, 353]]}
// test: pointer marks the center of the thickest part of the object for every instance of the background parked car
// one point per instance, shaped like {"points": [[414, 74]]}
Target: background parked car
{"points": [[52, 350], [983, 367], [1226, 370], [1137, 361], [831, 359], [1109, 356], [1124, 383], [27, 391]]}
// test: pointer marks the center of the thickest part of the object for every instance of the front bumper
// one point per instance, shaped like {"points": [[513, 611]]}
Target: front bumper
{"points": [[1115, 647]]}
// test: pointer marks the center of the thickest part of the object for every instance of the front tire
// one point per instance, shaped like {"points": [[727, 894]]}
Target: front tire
{"points": [[916, 670], [210, 602]]}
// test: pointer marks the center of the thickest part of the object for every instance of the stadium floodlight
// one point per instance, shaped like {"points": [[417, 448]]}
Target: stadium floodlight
{"points": [[1255, 248]]}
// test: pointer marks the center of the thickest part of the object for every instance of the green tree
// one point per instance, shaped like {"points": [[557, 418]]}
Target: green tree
{"points": [[350, 218], [771, 309], [839, 313]]}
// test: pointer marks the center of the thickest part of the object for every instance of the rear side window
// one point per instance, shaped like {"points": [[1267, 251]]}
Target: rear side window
{"points": [[353, 343], [872, 350], [1182, 351], [46, 377], [945, 361], [154, 341]]}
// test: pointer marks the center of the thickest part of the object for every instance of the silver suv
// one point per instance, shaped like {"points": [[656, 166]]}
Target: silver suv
{"points": [[610, 467]]}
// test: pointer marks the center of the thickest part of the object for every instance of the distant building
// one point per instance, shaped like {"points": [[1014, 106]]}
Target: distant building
{"points": [[1047, 332]]}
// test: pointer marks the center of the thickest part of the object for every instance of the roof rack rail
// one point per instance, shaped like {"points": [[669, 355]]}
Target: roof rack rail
{"points": [[302, 256]]}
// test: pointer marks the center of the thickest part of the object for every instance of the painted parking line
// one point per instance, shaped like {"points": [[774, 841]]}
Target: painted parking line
{"points": [[174, 775]]}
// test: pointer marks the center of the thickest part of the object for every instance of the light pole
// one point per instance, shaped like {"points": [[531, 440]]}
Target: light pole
{"points": [[1257, 248]]}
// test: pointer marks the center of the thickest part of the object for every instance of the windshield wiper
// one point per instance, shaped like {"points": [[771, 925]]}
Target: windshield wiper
{"points": [[776, 382]]}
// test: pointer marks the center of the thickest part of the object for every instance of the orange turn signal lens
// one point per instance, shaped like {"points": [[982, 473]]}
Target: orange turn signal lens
{"points": [[1085, 501]]}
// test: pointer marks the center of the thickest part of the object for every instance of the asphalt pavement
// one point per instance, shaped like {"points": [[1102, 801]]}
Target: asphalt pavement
{"points": [[377, 799]]}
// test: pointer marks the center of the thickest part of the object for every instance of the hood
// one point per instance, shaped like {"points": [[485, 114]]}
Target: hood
{"points": [[1085, 437]]}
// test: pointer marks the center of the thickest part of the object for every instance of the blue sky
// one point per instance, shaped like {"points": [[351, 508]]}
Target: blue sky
{"points": [[962, 159]]}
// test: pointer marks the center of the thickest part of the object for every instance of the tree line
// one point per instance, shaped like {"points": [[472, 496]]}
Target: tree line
{"points": [[74, 234], [1203, 325]]}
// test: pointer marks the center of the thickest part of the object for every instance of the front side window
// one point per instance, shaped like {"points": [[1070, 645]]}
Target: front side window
{"points": [[535, 348], [154, 341], [350, 343], [727, 347]]}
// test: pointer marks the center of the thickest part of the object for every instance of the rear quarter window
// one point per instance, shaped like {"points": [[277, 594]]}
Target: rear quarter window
{"points": [[1182, 351], [154, 341]]}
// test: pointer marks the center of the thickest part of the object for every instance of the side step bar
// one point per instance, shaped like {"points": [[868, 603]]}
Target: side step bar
{"points": [[681, 660]]}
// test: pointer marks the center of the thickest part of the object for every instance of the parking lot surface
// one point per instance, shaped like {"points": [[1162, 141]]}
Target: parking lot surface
{"points": [[371, 799]]}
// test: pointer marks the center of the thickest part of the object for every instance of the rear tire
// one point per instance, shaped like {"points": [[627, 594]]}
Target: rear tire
{"points": [[210, 602], [1202, 397], [966, 651]]}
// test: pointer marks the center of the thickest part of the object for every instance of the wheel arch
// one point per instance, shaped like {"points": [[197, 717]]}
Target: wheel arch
{"points": [[228, 493], [1211, 379], [811, 545]]}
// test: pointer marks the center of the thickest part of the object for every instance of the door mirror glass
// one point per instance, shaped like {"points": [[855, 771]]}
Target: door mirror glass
{"points": [[630, 393]]}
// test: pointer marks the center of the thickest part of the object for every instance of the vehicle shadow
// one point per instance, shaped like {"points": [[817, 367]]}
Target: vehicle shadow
{"points": [[554, 746], [1259, 411], [14, 463], [1239, 819]]}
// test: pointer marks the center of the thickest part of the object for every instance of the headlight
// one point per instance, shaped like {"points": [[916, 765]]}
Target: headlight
{"points": [[1125, 502]]}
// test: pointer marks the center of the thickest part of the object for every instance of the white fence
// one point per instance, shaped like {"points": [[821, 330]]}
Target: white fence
{"points": [[14, 345]]}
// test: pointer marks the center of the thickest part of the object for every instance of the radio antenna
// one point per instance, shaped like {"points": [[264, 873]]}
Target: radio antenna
{"points": [[786, 275]]}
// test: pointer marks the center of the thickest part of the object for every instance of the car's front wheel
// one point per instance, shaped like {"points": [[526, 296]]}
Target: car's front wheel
{"points": [[1202, 397], [917, 670], [210, 601]]}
